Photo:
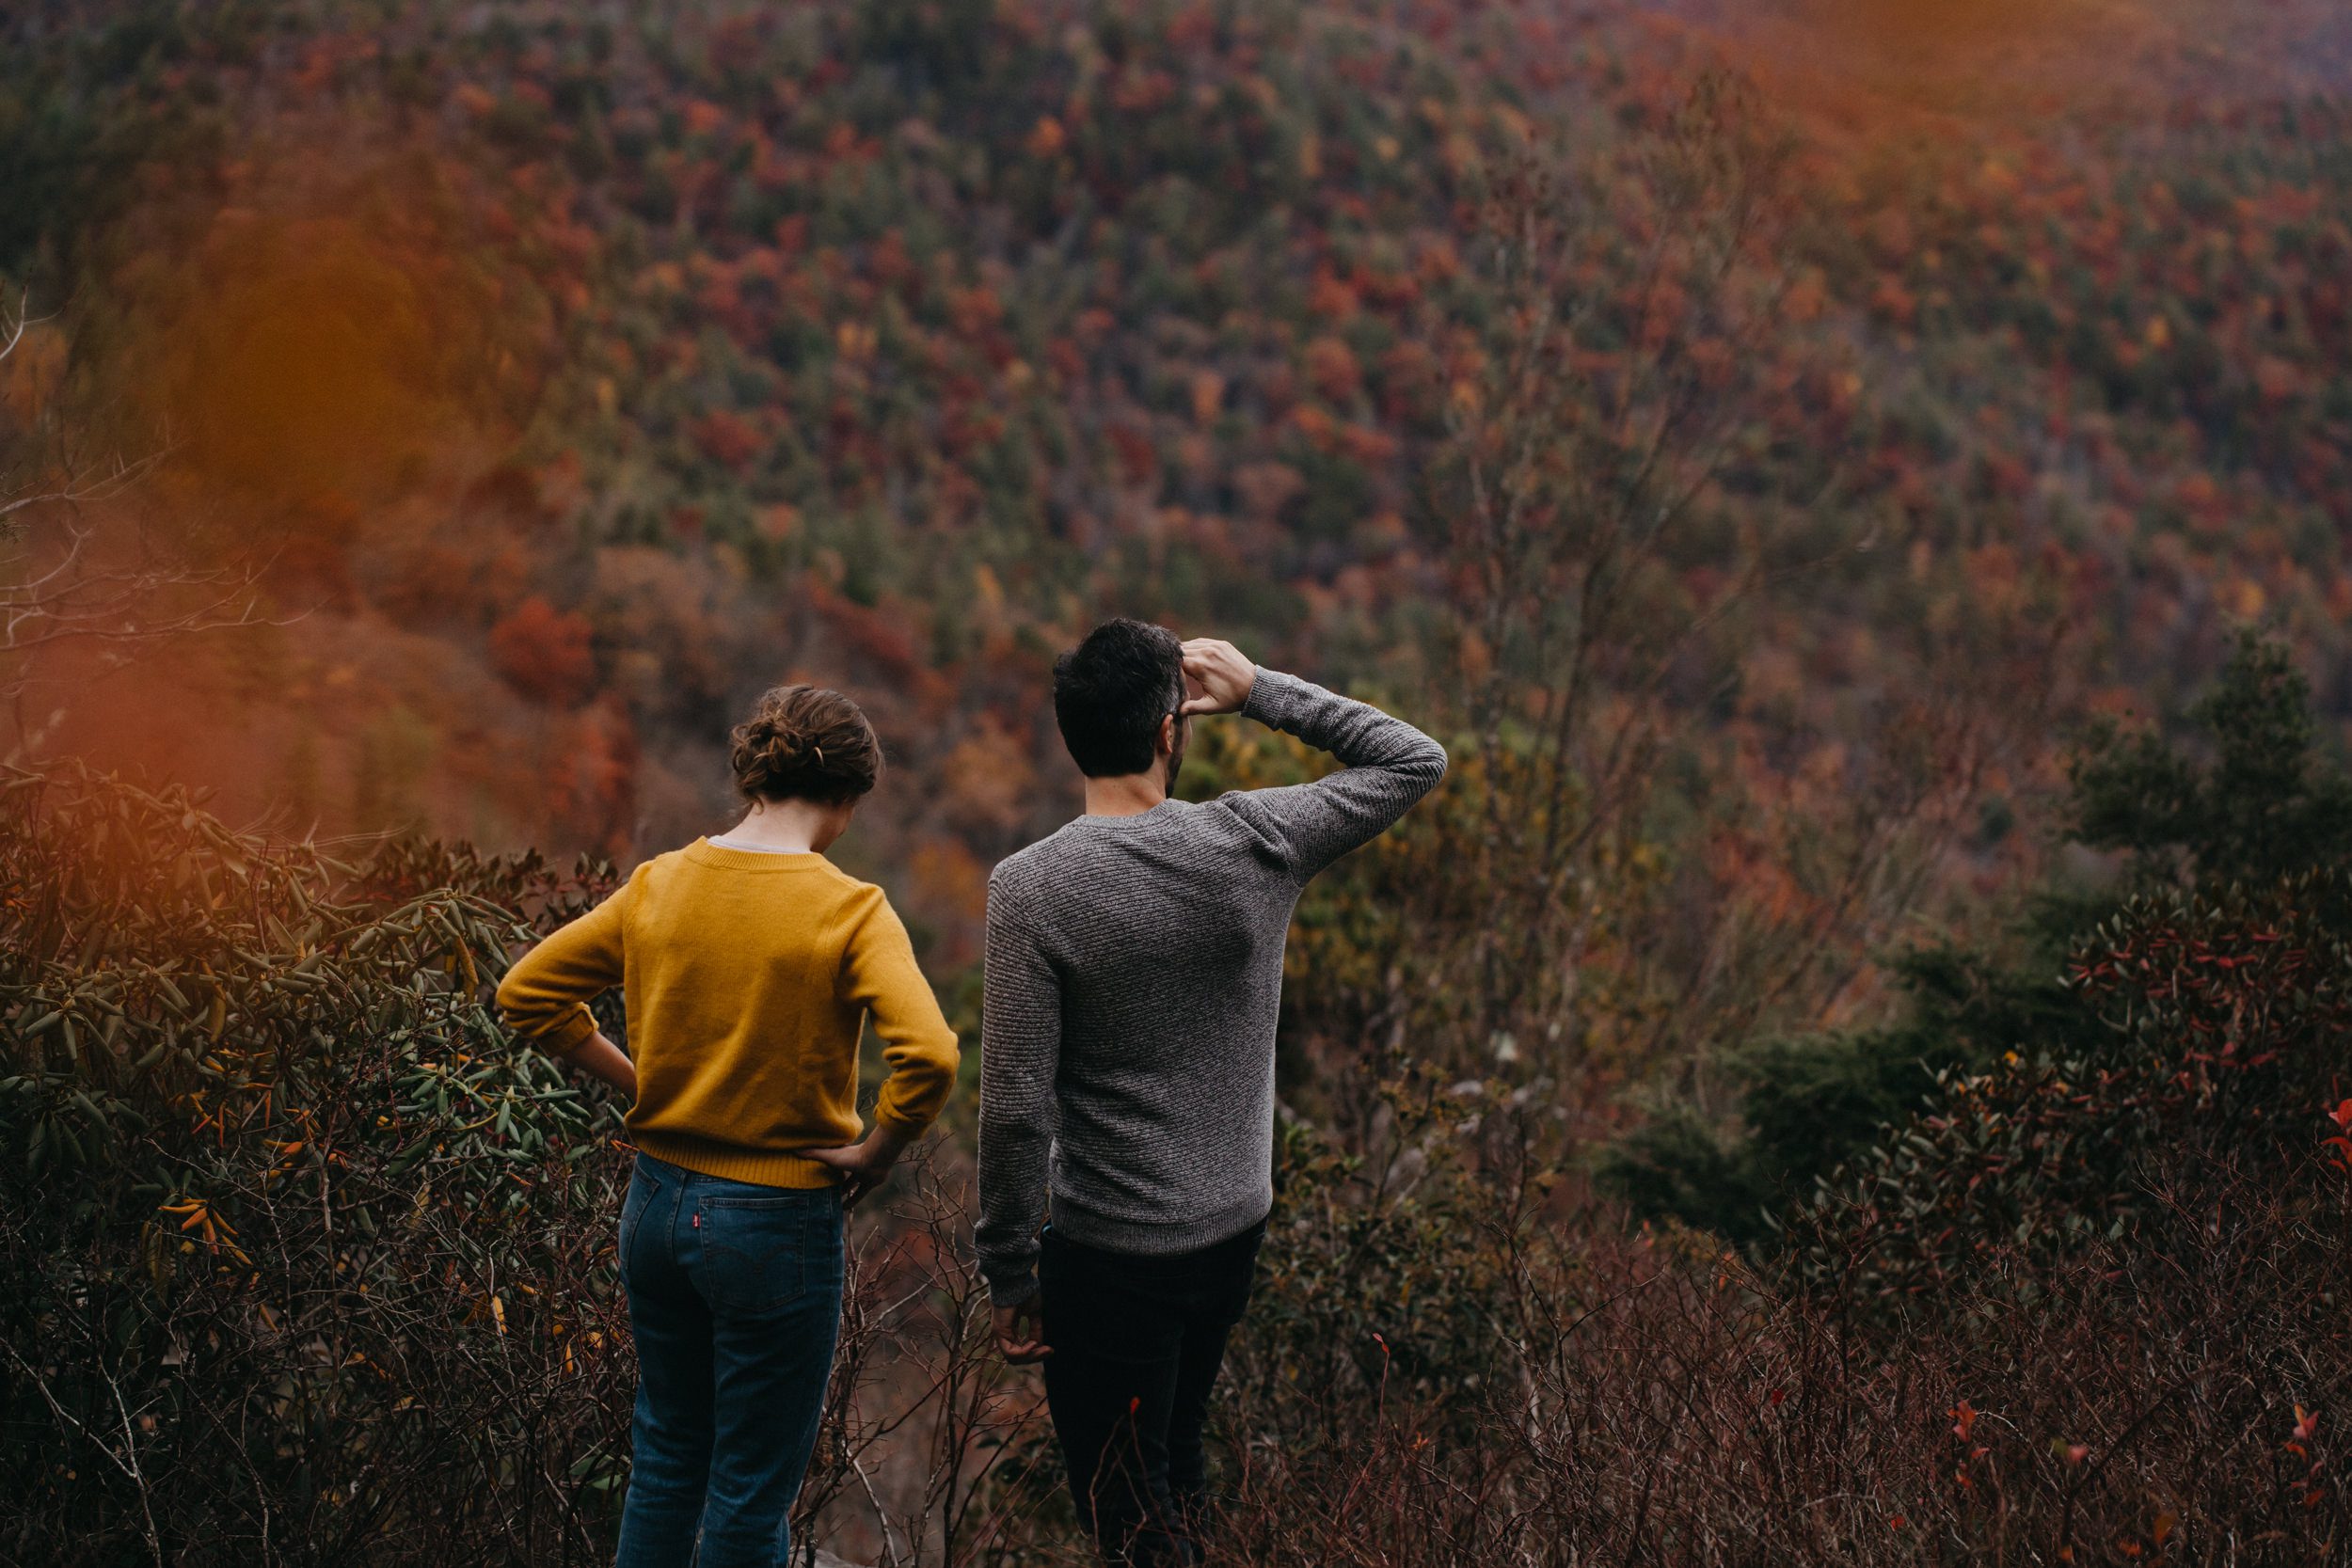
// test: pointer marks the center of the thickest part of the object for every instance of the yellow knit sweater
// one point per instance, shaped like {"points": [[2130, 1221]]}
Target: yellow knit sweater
{"points": [[747, 977]]}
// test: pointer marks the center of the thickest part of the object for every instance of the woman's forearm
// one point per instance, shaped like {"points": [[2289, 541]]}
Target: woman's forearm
{"points": [[601, 1059]]}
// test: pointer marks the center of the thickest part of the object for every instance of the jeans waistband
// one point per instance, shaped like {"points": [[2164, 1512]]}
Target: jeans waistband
{"points": [[663, 1173]]}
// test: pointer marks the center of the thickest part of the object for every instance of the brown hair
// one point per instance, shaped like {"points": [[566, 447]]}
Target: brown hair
{"points": [[804, 743]]}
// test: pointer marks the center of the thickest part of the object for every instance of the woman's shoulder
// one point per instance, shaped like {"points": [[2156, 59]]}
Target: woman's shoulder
{"points": [[848, 885], [859, 899], [654, 867]]}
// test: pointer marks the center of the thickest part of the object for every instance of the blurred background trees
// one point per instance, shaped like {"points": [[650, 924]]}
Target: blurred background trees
{"points": [[1861, 496], [82, 562]]}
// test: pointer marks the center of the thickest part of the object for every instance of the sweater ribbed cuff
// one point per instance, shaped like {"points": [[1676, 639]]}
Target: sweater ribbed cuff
{"points": [[1010, 1290], [569, 1033], [1269, 702], [912, 1126]]}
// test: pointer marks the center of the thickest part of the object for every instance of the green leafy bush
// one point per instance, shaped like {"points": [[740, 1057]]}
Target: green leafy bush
{"points": [[2242, 795], [301, 1260], [2225, 1020]]}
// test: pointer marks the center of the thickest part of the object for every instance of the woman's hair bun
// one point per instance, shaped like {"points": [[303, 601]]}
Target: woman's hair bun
{"points": [[804, 743]]}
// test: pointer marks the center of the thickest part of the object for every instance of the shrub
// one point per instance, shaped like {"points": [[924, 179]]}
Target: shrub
{"points": [[299, 1261], [304, 1261], [2225, 1021], [2242, 796], [1381, 1269], [1663, 1404]]}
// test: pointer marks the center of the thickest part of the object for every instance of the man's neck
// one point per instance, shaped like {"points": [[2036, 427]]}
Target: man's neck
{"points": [[1128, 794]]}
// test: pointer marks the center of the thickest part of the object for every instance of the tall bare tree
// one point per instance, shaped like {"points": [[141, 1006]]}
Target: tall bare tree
{"points": [[1622, 526]]}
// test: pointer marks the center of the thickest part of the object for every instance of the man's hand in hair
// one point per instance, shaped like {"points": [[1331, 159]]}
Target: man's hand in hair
{"points": [[1217, 676]]}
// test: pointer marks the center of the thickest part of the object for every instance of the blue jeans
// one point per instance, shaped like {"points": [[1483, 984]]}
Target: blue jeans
{"points": [[735, 1301]]}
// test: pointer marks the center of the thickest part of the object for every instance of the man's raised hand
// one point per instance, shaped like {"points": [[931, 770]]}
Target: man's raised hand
{"points": [[1217, 676]]}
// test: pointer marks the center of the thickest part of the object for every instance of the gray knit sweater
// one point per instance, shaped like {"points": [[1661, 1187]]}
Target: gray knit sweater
{"points": [[1135, 971]]}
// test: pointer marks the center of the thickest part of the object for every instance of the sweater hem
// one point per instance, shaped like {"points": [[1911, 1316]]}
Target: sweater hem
{"points": [[1157, 1238], [761, 1167]]}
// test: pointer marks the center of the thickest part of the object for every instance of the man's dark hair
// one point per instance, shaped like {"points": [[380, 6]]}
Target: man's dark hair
{"points": [[1111, 691]]}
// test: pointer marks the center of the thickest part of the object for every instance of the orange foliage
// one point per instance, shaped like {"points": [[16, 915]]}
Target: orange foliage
{"points": [[727, 437], [545, 652]]}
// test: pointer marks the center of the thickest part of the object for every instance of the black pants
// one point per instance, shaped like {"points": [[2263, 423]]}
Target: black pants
{"points": [[1137, 1342]]}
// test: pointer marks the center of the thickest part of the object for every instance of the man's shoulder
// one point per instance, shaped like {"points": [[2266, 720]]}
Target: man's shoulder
{"points": [[1178, 831], [1031, 864]]}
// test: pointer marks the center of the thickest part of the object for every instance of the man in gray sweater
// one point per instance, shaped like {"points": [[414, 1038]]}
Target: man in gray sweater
{"points": [[1134, 975]]}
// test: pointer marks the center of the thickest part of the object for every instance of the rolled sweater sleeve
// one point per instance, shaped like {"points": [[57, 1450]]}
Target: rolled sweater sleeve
{"points": [[1020, 1055], [1390, 765], [879, 973], [545, 996]]}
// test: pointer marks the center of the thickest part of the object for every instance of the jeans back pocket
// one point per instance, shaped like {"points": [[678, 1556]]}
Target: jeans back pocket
{"points": [[755, 1250]]}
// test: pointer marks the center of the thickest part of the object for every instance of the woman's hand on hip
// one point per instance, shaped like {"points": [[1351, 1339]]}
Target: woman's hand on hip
{"points": [[864, 1164]]}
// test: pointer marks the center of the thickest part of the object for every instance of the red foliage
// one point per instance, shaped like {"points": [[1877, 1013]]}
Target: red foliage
{"points": [[544, 652], [1137, 461], [727, 437], [1331, 366], [592, 773]]}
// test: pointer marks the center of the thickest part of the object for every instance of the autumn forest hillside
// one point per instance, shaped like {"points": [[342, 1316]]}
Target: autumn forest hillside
{"points": [[1847, 1068], [568, 373], [1759, 443]]}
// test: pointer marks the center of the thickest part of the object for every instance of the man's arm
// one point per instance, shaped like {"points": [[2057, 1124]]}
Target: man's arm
{"points": [[1389, 764], [1020, 1051]]}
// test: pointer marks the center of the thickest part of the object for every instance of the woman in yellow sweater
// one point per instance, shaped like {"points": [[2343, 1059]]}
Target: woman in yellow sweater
{"points": [[748, 964]]}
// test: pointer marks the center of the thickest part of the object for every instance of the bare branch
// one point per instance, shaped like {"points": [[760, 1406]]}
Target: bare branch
{"points": [[15, 328], [79, 573]]}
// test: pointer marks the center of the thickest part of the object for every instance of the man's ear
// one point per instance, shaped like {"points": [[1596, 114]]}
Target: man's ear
{"points": [[1167, 742]]}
